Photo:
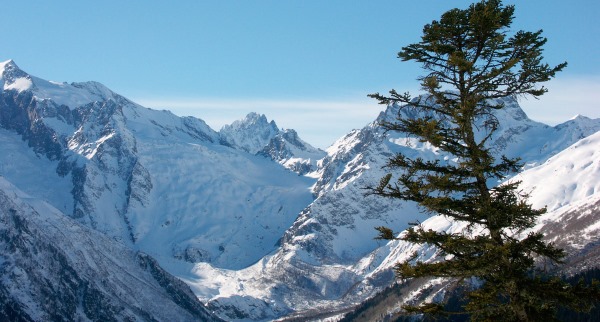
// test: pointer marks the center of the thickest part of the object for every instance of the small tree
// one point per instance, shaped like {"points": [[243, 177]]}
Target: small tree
{"points": [[472, 60]]}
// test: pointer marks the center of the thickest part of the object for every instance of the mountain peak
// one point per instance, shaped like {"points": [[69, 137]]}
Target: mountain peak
{"points": [[73, 95], [8, 64], [254, 118], [580, 121], [250, 134], [579, 117], [10, 70], [13, 77]]}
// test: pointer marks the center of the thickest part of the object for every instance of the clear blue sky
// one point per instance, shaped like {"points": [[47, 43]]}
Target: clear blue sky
{"points": [[306, 64]]}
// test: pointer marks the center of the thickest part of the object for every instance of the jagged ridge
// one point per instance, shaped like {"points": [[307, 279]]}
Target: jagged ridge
{"points": [[254, 134]]}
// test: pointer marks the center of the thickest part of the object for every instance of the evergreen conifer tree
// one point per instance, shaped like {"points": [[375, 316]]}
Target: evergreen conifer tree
{"points": [[473, 60]]}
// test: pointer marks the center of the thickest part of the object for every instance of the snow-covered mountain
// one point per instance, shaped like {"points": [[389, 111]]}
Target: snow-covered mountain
{"points": [[567, 184], [160, 183], [328, 258], [357, 160], [254, 134], [222, 211], [54, 269]]}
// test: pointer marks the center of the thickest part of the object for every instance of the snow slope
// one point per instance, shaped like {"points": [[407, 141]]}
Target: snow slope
{"points": [[571, 175]]}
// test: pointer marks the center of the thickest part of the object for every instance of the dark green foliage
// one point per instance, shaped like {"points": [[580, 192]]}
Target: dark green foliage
{"points": [[378, 307], [565, 314], [472, 61]]}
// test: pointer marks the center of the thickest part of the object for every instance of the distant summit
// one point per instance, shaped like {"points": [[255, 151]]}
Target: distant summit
{"points": [[14, 78], [256, 135], [250, 134]]}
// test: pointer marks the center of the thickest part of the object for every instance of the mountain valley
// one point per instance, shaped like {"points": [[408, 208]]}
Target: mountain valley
{"points": [[250, 220]]}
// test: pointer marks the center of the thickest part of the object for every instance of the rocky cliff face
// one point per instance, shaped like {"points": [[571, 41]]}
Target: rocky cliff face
{"points": [[80, 126]]}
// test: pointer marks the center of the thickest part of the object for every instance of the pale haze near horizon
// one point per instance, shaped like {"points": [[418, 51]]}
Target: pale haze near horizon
{"points": [[306, 65]]}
